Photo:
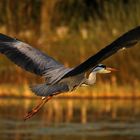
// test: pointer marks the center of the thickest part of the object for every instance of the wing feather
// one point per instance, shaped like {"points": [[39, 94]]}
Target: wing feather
{"points": [[127, 40], [31, 59]]}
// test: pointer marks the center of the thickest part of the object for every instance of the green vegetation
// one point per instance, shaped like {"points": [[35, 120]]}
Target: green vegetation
{"points": [[71, 31]]}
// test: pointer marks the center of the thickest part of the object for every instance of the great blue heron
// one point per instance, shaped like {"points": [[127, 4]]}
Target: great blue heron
{"points": [[60, 79]]}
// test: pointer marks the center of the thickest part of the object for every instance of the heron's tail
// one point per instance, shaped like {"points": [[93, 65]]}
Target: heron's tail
{"points": [[40, 89], [48, 90]]}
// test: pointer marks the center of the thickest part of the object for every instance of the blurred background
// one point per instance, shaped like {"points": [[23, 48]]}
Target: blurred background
{"points": [[71, 31]]}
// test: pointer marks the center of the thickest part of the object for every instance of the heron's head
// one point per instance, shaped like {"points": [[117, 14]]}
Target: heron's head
{"points": [[100, 68]]}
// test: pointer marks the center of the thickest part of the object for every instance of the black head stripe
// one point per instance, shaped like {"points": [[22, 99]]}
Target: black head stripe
{"points": [[101, 65]]}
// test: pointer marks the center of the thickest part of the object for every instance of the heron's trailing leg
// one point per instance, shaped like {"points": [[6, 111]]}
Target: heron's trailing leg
{"points": [[37, 108]]}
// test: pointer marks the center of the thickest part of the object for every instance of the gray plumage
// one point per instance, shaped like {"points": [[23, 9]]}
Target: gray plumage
{"points": [[46, 90], [31, 59], [59, 78]]}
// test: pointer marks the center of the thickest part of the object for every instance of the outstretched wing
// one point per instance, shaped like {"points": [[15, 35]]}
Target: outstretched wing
{"points": [[31, 59], [127, 40]]}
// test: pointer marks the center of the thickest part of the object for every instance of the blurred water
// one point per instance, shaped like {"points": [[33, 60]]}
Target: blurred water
{"points": [[81, 119]]}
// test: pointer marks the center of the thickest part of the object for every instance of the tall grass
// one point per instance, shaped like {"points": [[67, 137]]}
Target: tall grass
{"points": [[71, 31]]}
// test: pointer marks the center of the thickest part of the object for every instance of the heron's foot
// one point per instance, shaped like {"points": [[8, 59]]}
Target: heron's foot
{"points": [[37, 108]]}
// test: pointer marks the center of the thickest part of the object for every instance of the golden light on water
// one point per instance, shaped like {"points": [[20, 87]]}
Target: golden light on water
{"points": [[62, 117]]}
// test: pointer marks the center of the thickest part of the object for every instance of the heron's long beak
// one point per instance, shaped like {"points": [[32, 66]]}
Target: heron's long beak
{"points": [[108, 70]]}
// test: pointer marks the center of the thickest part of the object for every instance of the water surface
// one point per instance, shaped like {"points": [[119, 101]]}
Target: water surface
{"points": [[81, 119]]}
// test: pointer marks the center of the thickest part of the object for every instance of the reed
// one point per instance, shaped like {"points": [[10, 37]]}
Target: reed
{"points": [[73, 30]]}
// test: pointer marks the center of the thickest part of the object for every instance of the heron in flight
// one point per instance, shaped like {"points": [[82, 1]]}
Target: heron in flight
{"points": [[58, 78]]}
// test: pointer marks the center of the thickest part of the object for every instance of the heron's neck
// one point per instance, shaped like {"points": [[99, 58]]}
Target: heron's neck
{"points": [[91, 78]]}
